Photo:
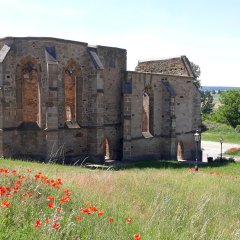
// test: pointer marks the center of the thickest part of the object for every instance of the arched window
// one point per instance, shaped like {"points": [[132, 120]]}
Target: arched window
{"points": [[28, 92], [147, 114], [70, 95]]}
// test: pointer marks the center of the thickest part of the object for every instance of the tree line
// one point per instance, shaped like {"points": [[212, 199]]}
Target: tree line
{"points": [[229, 110]]}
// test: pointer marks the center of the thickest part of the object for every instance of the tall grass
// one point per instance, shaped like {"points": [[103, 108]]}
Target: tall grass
{"points": [[163, 202], [216, 130]]}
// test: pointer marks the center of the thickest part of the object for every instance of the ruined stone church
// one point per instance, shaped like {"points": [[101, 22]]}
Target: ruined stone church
{"points": [[62, 99]]}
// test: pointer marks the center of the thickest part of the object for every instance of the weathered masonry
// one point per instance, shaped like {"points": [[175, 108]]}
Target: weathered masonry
{"points": [[67, 100]]}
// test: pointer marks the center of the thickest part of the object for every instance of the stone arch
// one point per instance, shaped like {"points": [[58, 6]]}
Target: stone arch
{"points": [[28, 91], [180, 150], [72, 91]]}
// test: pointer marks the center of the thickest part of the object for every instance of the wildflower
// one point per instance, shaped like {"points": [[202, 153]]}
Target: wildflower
{"points": [[93, 208], [50, 205], [78, 218], [128, 220], [50, 198], [37, 176], [101, 213], [111, 219], [47, 221], [5, 204], [56, 226], [59, 209], [86, 211], [86, 203], [137, 237], [64, 199], [37, 224]]}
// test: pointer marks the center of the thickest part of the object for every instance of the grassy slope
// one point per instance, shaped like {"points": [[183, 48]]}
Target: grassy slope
{"points": [[217, 130], [165, 201]]}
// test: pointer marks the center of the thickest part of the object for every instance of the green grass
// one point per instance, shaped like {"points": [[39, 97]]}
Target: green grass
{"points": [[233, 152], [164, 199], [217, 130]]}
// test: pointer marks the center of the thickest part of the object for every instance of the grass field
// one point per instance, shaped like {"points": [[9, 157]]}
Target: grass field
{"points": [[217, 130], [154, 200]]}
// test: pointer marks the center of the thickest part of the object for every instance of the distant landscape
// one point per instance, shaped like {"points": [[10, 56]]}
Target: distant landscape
{"points": [[216, 88]]}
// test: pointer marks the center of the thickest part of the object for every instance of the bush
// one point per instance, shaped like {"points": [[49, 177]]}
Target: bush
{"points": [[237, 128]]}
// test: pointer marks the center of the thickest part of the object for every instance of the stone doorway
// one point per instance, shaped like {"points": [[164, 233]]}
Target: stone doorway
{"points": [[180, 151], [106, 149]]}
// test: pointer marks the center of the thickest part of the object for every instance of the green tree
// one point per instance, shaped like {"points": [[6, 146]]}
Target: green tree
{"points": [[197, 72], [207, 104], [229, 111]]}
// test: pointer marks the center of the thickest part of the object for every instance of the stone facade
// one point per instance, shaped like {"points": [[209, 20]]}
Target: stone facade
{"points": [[65, 101]]}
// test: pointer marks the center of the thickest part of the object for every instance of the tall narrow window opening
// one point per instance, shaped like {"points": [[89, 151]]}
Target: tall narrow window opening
{"points": [[147, 115], [28, 92], [70, 95], [106, 149]]}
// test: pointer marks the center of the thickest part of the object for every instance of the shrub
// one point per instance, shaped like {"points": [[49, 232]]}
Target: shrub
{"points": [[237, 128]]}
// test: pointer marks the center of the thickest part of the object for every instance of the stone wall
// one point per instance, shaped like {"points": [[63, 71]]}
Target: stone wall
{"points": [[173, 66], [55, 88], [64, 101], [175, 117]]}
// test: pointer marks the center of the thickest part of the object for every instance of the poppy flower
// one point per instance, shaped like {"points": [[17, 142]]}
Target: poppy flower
{"points": [[5, 204], [111, 219], [64, 200], [50, 198], [93, 208], [37, 224], [56, 226], [59, 209], [128, 220], [78, 218], [50, 205], [101, 213], [86, 203], [137, 237]]}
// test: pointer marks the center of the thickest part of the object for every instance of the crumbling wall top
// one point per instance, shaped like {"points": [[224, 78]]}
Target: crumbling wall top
{"points": [[173, 66]]}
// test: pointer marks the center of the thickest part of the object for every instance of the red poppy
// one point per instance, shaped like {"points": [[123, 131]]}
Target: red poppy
{"points": [[93, 208], [5, 204], [50, 205], [137, 237], [101, 213], [47, 221], [59, 209], [64, 199], [128, 220], [50, 198], [78, 218], [86, 211], [56, 226], [111, 219], [37, 224]]}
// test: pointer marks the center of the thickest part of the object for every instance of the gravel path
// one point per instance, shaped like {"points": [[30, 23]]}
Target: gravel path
{"points": [[213, 149]]}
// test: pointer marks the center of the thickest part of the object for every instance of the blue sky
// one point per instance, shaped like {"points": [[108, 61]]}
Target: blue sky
{"points": [[206, 31]]}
